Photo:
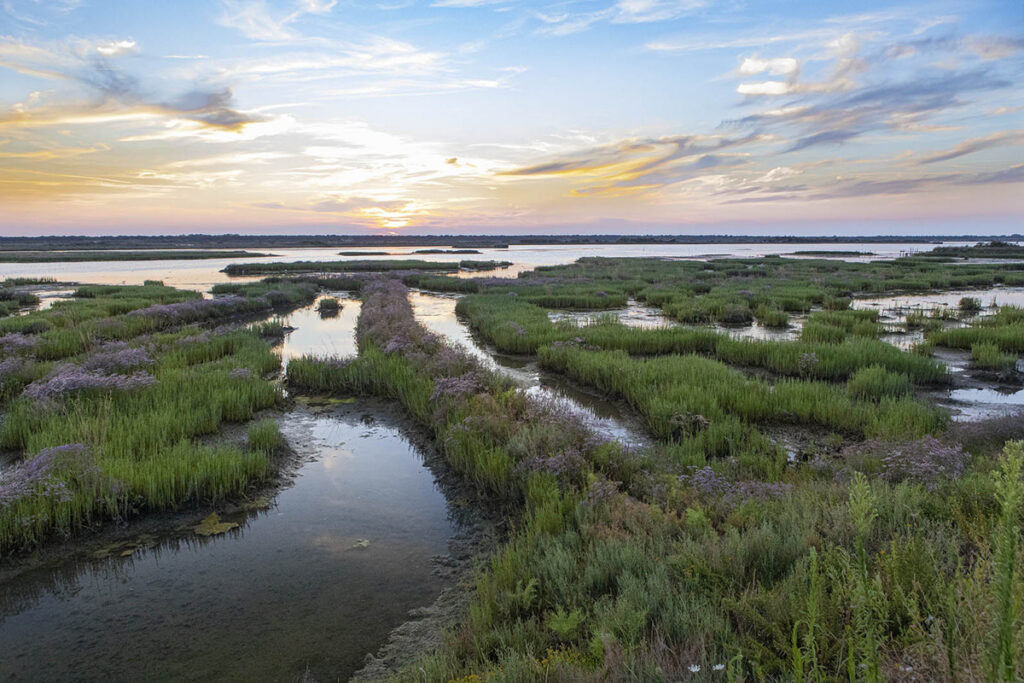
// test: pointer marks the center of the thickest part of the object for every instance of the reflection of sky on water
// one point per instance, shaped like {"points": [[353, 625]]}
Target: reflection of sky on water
{"points": [[202, 274], [284, 591]]}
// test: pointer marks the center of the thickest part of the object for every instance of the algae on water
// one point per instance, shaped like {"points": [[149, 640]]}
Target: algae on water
{"points": [[211, 526]]}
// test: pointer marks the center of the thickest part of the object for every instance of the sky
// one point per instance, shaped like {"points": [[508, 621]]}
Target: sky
{"points": [[507, 116]]}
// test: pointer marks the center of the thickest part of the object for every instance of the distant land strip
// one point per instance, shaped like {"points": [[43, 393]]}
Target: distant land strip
{"points": [[236, 241], [54, 256]]}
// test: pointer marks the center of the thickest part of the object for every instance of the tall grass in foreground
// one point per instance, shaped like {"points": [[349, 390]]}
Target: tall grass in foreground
{"points": [[1007, 582]]}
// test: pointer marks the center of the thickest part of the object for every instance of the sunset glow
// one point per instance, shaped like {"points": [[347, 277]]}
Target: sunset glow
{"points": [[505, 116]]}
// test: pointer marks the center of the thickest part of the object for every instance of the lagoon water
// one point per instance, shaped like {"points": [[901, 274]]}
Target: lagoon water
{"points": [[202, 274]]}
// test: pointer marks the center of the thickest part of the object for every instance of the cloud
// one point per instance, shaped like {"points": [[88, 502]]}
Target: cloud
{"points": [[816, 116], [102, 90], [695, 44], [1014, 174], [356, 205], [317, 6], [1001, 139], [645, 11], [764, 88], [253, 19], [828, 137], [466, 3], [565, 23], [114, 48], [994, 47], [780, 66], [639, 164], [850, 188]]}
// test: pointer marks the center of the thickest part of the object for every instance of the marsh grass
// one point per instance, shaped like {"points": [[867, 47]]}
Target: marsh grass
{"points": [[704, 557], [664, 390], [987, 356], [265, 436], [328, 305], [142, 438], [875, 383], [516, 326]]}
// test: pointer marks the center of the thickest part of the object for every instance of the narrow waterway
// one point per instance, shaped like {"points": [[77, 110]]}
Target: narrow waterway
{"points": [[311, 580], [316, 581], [437, 313]]}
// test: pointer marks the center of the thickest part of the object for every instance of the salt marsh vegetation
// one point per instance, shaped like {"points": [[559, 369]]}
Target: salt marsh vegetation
{"points": [[803, 510]]}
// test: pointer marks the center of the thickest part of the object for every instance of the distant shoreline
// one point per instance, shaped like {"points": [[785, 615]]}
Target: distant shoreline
{"points": [[235, 241], [66, 255]]}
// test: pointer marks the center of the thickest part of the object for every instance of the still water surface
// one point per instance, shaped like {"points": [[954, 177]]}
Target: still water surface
{"points": [[202, 274], [290, 589]]}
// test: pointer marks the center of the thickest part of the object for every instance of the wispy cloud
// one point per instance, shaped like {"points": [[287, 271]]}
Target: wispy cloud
{"points": [[104, 90], [257, 20], [1001, 139], [563, 20]]}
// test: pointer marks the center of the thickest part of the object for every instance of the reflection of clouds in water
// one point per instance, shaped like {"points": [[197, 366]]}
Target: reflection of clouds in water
{"points": [[317, 335], [334, 457], [991, 396], [294, 558], [341, 545]]}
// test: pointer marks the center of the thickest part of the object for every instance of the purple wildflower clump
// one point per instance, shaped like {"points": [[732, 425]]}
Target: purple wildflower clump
{"points": [[199, 338], [11, 368], [37, 475], [575, 342], [927, 461], [645, 485], [16, 342], [118, 360], [714, 487], [69, 379], [197, 309], [601, 492], [15, 373], [453, 388], [387, 320], [995, 430], [397, 344], [707, 483], [450, 360], [567, 421], [567, 465]]}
